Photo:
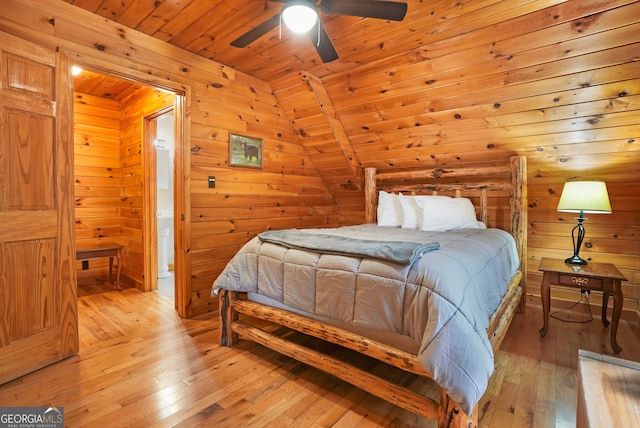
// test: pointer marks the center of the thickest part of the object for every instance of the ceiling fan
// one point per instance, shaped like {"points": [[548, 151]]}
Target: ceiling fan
{"points": [[364, 8]]}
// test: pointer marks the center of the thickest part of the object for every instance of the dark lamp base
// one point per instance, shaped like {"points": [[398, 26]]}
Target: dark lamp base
{"points": [[575, 260]]}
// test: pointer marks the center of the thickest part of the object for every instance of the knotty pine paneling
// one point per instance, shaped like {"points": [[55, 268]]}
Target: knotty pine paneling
{"points": [[558, 82], [109, 176], [97, 178], [470, 83], [221, 101], [143, 102]]}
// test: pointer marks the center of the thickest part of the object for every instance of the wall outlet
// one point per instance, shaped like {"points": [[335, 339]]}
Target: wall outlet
{"points": [[212, 182]]}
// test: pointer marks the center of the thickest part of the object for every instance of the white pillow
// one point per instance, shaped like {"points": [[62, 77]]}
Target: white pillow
{"points": [[411, 212], [389, 210], [446, 213]]}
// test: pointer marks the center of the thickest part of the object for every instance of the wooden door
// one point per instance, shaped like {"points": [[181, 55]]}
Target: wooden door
{"points": [[38, 308]]}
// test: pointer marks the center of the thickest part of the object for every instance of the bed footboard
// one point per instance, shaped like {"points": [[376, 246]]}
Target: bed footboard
{"points": [[447, 412]]}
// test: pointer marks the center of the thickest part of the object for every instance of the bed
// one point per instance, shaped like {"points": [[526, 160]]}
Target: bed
{"points": [[400, 290]]}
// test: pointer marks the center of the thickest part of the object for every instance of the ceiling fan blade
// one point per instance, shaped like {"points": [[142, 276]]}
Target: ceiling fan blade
{"points": [[324, 46], [255, 33], [366, 8]]}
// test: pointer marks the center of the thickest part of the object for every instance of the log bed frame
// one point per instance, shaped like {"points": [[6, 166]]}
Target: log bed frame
{"points": [[512, 178]]}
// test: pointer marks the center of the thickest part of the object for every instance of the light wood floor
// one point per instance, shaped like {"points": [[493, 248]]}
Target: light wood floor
{"points": [[141, 366]]}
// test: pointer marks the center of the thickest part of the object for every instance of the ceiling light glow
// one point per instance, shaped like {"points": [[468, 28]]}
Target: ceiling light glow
{"points": [[299, 17]]}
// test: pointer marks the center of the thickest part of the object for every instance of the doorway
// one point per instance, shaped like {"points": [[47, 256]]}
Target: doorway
{"points": [[132, 207], [160, 143]]}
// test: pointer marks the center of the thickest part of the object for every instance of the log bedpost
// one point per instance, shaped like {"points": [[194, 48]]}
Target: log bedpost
{"points": [[370, 195], [228, 315], [484, 205], [452, 416], [519, 219]]}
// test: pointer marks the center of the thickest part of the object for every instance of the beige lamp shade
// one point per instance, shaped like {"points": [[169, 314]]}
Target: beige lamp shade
{"points": [[586, 196]]}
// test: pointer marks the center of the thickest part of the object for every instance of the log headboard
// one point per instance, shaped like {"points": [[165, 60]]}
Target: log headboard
{"points": [[510, 178]]}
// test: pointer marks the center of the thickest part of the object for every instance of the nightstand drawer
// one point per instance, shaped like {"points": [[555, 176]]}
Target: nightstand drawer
{"points": [[580, 281]]}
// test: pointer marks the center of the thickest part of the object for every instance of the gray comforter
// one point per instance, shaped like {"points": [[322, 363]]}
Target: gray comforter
{"points": [[437, 306], [402, 252]]}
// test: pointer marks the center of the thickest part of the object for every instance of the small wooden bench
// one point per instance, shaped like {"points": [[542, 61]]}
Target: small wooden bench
{"points": [[87, 251]]}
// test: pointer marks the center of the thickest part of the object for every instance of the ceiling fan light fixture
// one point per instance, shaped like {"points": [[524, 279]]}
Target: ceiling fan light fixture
{"points": [[299, 16]]}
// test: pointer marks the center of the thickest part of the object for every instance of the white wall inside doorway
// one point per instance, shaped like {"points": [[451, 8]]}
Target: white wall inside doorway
{"points": [[165, 149]]}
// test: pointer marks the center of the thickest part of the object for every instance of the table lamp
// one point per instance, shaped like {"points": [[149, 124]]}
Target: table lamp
{"points": [[583, 197]]}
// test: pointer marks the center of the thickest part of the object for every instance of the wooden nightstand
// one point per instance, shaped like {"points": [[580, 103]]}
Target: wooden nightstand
{"points": [[603, 277]]}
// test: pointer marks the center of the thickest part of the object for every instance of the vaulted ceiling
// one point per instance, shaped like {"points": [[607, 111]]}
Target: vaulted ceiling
{"points": [[289, 63], [207, 27], [454, 82]]}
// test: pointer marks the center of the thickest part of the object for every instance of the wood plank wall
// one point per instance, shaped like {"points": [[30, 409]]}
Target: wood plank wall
{"points": [[144, 102], [555, 80], [98, 177], [287, 192]]}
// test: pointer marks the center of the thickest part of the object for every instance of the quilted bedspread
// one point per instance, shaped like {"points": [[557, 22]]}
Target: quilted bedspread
{"points": [[437, 306], [402, 252]]}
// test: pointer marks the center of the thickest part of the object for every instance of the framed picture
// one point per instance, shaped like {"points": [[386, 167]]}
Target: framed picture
{"points": [[245, 151]]}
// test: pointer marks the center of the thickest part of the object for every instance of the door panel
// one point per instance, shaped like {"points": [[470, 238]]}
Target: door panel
{"points": [[28, 161], [38, 309], [29, 310]]}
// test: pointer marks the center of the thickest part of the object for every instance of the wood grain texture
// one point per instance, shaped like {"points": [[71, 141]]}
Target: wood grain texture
{"points": [[446, 412], [454, 84], [37, 282], [109, 175], [153, 369], [606, 391]]}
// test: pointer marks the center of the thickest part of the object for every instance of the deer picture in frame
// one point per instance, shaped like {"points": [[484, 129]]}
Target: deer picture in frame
{"points": [[245, 151]]}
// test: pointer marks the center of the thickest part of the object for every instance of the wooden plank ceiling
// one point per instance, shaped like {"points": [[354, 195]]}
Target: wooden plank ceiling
{"points": [[100, 85], [468, 81], [207, 27]]}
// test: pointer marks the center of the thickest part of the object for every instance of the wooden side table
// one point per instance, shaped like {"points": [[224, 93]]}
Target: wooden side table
{"points": [[603, 277], [86, 251]]}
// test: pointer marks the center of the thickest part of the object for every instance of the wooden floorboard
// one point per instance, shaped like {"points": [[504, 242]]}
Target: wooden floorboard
{"points": [[140, 365]]}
